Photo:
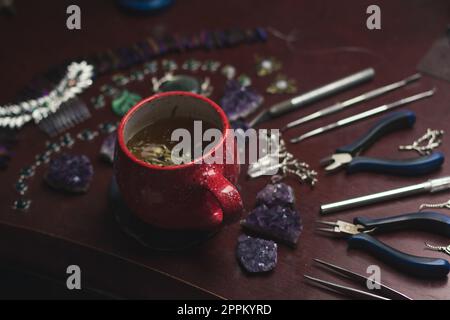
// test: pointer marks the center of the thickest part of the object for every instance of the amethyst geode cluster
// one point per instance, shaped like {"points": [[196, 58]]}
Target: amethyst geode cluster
{"points": [[72, 173], [239, 101], [274, 217], [256, 255]]}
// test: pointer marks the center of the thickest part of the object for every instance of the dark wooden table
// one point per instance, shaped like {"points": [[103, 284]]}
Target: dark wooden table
{"points": [[332, 41]]}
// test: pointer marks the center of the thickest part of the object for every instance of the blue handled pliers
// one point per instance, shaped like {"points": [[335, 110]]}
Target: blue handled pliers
{"points": [[358, 234], [348, 155]]}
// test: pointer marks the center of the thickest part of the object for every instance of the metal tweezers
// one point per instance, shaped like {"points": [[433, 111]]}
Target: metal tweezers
{"points": [[383, 293]]}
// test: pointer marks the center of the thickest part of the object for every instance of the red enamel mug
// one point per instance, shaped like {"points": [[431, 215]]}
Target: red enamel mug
{"points": [[194, 195]]}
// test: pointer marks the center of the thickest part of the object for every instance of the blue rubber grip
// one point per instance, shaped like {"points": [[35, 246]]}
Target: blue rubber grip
{"points": [[410, 167], [409, 264], [433, 222], [394, 121]]}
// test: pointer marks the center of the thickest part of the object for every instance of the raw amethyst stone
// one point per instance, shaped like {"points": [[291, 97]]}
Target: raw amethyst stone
{"points": [[72, 173], [278, 223], [107, 148], [239, 101], [256, 255], [276, 194]]}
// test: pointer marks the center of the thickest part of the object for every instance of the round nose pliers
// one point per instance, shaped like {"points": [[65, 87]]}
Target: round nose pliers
{"points": [[358, 237], [348, 155]]}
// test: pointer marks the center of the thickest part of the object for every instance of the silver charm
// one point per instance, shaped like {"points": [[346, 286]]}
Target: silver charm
{"points": [[210, 66], [228, 71], [439, 248], [244, 80], [120, 79], [266, 66], [282, 84], [279, 159], [98, 101], [432, 139], [443, 205], [169, 65], [150, 68], [187, 83], [191, 65]]}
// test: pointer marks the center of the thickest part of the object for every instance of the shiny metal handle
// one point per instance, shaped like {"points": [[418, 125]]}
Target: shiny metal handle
{"points": [[323, 91]]}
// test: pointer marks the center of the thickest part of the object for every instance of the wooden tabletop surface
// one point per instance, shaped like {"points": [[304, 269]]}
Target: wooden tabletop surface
{"points": [[332, 41]]}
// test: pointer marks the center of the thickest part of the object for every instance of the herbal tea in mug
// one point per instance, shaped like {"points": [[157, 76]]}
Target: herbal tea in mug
{"points": [[154, 144]]}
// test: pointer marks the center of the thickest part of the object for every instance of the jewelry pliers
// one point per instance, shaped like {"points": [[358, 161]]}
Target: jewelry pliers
{"points": [[358, 237], [348, 155]]}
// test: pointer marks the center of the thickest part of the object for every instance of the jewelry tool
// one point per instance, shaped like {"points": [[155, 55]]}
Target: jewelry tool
{"points": [[433, 139], [438, 248], [430, 186], [364, 115], [350, 102], [313, 96], [348, 156], [382, 292], [358, 237]]}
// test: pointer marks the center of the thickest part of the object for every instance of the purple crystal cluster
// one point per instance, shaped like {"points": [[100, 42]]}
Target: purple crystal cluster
{"points": [[276, 194], [239, 101], [256, 255], [278, 223], [107, 148], [72, 173], [275, 216]]}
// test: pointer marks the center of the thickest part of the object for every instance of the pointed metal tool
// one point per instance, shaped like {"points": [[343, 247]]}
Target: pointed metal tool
{"points": [[364, 115], [339, 106], [313, 96], [383, 293]]}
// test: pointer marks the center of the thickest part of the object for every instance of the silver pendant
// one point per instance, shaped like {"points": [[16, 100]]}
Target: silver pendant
{"points": [[426, 143], [438, 248], [280, 160], [443, 205]]}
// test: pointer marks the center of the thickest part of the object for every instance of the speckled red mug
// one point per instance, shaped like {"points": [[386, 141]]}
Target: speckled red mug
{"points": [[185, 196]]}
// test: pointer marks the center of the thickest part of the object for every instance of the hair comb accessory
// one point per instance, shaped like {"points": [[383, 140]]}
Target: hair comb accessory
{"points": [[78, 77], [69, 114]]}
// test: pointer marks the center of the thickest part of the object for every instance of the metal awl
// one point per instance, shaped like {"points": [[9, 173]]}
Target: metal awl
{"points": [[364, 115], [350, 102]]}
